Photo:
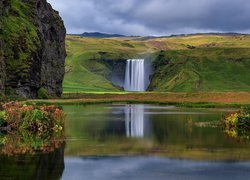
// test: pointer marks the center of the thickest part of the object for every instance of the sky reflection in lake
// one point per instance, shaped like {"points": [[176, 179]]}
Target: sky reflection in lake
{"points": [[146, 168]]}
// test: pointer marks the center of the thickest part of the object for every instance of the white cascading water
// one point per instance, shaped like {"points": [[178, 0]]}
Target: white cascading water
{"points": [[135, 75]]}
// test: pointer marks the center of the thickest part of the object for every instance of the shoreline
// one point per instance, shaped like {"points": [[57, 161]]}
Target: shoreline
{"points": [[199, 100]]}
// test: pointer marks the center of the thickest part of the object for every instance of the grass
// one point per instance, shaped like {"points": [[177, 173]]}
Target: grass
{"points": [[203, 69], [199, 100], [216, 64]]}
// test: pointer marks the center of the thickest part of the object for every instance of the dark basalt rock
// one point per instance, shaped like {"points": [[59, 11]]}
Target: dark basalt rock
{"points": [[41, 42], [4, 5]]}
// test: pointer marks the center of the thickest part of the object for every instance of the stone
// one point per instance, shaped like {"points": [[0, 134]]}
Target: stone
{"points": [[41, 61]]}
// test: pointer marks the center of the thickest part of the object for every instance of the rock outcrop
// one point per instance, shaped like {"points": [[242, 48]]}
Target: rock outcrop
{"points": [[32, 48], [4, 6]]}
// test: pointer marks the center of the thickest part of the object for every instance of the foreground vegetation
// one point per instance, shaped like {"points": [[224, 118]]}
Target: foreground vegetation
{"points": [[198, 63], [30, 128], [237, 125]]}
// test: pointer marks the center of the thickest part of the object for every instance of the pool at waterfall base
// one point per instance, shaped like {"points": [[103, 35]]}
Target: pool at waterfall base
{"points": [[123, 141]]}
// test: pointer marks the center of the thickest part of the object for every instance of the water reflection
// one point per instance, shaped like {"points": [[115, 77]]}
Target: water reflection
{"points": [[101, 130], [24, 142], [39, 166], [148, 168], [122, 142], [134, 120]]}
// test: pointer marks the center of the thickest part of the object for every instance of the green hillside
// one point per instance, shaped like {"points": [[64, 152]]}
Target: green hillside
{"points": [[182, 64], [84, 70], [204, 69]]}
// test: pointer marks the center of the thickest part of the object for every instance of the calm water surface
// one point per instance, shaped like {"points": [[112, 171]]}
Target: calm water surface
{"points": [[137, 142]]}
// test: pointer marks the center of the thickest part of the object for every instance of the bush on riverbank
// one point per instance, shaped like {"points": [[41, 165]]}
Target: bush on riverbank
{"points": [[30, 128], [237, 125], [15, 115]]}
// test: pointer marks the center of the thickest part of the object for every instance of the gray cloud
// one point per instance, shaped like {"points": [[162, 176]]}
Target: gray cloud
{"points": [[154, 17]]}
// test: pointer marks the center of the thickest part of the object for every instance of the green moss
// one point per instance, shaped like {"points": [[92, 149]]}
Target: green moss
{"points": [[10, 91], [43, 94], [2, 114], [20, 37]]}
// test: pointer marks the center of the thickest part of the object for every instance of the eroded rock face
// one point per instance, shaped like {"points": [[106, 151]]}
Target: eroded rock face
{"points": [[52, 34], [117, 71], [4, 6], [33, 47]]}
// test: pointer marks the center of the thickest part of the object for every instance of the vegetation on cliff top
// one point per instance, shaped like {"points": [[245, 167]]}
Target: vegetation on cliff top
{"points": [[21, 39]]}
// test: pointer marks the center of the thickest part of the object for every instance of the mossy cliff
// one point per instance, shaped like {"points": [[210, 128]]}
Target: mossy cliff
{"points": [[32, 48]]}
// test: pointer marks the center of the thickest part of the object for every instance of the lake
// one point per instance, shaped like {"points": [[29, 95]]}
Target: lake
{"points": [[123, 141]]}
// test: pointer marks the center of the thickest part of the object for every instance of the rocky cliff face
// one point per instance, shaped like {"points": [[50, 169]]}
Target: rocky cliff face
{"points": [[33, 48], [3, 7], [117, 71]]}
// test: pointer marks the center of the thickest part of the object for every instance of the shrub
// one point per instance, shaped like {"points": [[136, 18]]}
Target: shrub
{"points": [[237, 125], [30, 117], [30, 128], [43, 94], [2, 114]]}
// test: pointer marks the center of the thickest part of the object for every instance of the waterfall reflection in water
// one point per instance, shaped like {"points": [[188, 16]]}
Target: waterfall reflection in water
{"points": [[134, 118]]}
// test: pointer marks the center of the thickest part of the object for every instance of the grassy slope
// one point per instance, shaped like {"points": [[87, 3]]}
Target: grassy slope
{"points": [[218, 63], [213, 69], [85, 73]]}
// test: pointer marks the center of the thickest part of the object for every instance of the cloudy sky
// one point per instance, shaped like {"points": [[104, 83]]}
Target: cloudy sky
{"points": [[154, 17]]}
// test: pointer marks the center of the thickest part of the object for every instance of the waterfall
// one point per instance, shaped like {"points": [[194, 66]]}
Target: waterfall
{"points": [[135, 75]]}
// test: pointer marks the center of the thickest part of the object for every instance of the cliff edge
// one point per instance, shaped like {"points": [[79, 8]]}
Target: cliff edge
{"points": [[32, 54]]}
